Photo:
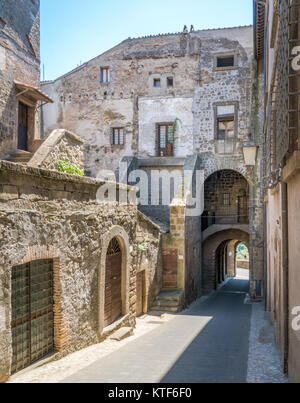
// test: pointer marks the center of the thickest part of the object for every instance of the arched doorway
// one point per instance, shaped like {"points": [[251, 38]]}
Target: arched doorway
{"points": [[113, 283], [115, 257]]}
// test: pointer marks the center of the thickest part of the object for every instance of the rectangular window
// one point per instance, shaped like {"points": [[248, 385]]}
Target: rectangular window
{"points": [[118, 136], [226, 199], [166, 140], [225, 61], [225, 127], [170, 82], [105, 75], [156, 82]]}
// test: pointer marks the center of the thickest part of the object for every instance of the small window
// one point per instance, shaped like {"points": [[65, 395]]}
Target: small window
{"points": [[118, 136], [170, 82], [226, 199], [156, 82], [225, 128], [105, 75], [225, 62]]}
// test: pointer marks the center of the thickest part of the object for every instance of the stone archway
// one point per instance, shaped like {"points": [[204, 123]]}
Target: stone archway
{"points": [[118, 234], [214, 249]]}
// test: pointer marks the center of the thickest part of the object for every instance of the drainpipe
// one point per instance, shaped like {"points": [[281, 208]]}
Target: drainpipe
{"points": [[252, 209], [285, 266], [252, 233]]}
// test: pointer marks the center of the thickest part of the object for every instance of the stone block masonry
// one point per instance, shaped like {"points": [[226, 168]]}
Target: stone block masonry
{"points": [[48, 215], [19, 60]]}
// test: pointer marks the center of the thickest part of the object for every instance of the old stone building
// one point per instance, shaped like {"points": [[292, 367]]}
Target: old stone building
{"points": [[20, 96], [170, 104], [277, 52], [72, 270], [171, 116]]}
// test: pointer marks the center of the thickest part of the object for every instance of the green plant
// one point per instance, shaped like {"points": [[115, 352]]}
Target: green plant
{"points": [[68, 168], [142, 247], [175, 125]]}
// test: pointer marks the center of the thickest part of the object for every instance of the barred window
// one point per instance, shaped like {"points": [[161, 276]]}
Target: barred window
{"points": [[118, 136], [226, 199]]}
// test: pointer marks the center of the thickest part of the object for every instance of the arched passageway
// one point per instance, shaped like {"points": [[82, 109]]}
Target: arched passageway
{"points": [[224, 225], [220, 257]]}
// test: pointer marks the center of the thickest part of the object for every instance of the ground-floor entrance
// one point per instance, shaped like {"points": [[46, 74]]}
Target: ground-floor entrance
{"points": [[32, 321], [113, 283]]}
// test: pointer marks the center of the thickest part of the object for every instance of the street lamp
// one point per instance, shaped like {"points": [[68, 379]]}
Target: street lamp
{"points": [[250, 151]]}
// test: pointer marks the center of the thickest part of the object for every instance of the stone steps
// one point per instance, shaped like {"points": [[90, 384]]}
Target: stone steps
{"points": [[168, 301]]}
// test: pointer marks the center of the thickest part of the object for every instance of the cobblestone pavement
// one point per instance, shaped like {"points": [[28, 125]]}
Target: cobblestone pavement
{"points": [[219, 338], [208, 342], [56, 371], [264, 363]]}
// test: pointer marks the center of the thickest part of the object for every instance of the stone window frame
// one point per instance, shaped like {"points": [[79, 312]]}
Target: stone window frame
{"points": [[107, 68], [226, 54], [157, 143], [112, 137], [236, 118], [173, 83], [157, 79]]}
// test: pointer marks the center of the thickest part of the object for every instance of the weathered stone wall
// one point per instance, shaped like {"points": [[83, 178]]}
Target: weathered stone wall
{"points": [[60, 145], [224, 87], [149, 260], [19, 60], [44, 214], [129, 100]]}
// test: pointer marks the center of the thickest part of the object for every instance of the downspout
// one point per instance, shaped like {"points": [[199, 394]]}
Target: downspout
{"points": [[254, 290], [285, 267]]}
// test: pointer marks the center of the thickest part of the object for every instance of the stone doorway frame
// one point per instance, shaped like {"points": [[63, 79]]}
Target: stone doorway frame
{"points": [[122, 237]]}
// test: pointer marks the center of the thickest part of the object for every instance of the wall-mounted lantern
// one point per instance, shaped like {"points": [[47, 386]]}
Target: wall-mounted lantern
{"points": [[250, 152]]}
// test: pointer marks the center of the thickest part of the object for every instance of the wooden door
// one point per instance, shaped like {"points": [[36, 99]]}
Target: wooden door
{"points": [[113, 284], [23, 127], [170, 268], [32, 321], [139, 293]]}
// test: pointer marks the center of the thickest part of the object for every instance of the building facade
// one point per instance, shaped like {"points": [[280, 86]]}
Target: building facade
{"points": [[72, 270], [20, 96], [277, 52], [173, 103]]}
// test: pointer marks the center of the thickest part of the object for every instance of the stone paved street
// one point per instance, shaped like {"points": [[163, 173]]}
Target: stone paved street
{"points": [[217, 339]]}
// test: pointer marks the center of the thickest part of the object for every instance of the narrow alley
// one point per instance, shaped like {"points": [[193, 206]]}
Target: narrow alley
{"points": [[207, 343]]}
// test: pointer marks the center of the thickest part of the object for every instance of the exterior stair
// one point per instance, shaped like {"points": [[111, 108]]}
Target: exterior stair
{"points": [[169, 300], [22, 157]]}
